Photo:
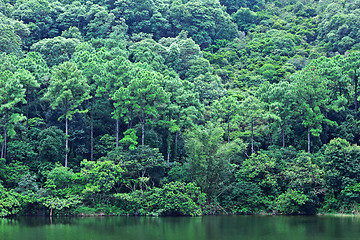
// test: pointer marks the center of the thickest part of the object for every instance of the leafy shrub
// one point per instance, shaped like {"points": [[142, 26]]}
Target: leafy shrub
{"points": [[173, 199], [9, 202]]}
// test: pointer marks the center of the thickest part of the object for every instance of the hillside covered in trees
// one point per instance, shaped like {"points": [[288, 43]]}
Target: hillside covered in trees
{"points": [[179, 107]]}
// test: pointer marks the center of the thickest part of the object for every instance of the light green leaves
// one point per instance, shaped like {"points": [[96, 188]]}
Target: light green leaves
{"points": [[68, 89]]}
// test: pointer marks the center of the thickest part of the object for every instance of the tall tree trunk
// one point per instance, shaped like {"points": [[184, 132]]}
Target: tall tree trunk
{"points": [[308, 148], [228, 131], [283, 135], [27, 111], [143, 133], [356, 79], [176, 145], [5, 143], [117, 132], [3, 147], [168, 148], [92, 132], [252, 137], [66, 141]]}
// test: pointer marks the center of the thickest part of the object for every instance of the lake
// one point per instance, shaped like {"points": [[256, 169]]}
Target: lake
{"points": [[183, 228]]}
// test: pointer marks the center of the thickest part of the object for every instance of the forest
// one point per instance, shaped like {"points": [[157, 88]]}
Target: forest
{"points": [[179, 107]]}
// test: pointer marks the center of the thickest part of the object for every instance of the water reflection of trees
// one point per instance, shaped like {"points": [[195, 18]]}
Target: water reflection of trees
{"points": [[40, 221]]}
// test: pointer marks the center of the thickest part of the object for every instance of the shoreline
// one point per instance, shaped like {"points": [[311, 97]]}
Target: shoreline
{"points": [[102, 214], [339, 214]]}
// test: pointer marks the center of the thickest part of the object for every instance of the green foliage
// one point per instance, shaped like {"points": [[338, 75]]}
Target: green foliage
{"points": [[57, 204], [291, 202], [341, 167], [93, 20], [224, 94], [27, 185], [11, 173], [60, 193], [177, 173], [313, 100], [233, 5], [51, 146], [348, 129], [143, 16], [104, 145], [68, 90], [252, 112], [10, 203], [305, 185], [21, 151], [129, 139], [172, 199], [12, 33], [204, 20], [351, 194], [350, 66], [338, 28], [142, 99], [56, 50], [100, 176], [208, 160], [261, 169], [245, 19], [279, 176], [243, 197], [12, 94], [40, 16], [144, 167], [36, 65], [59, 178]]}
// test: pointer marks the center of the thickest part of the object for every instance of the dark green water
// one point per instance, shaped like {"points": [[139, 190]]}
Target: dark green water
{"points": [[201, 228]]}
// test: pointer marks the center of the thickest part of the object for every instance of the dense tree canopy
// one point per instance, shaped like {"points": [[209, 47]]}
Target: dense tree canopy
{"points": [[179, 107]]}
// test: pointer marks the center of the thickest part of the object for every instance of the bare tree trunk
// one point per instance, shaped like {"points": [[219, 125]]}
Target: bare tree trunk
{"points": [[168, 148], [117, 132], [27, 111], [252, 137], [356, 92], [176, 145], [3, 147], [143, 133], [228, 132], [66, 141], [91, 133], [5, 143], [283, 135], [308, 148]]}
